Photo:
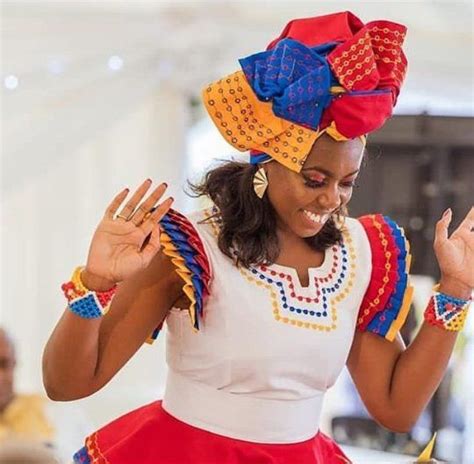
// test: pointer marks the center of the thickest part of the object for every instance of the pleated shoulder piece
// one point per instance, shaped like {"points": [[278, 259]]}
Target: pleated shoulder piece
{"points": [[388, 297], [181, 242]]}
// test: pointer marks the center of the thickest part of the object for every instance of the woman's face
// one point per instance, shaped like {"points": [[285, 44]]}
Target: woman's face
{"points": [[304, 201]]}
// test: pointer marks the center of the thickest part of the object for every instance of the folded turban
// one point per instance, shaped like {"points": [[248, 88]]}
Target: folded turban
{"points": [[328, 74]]}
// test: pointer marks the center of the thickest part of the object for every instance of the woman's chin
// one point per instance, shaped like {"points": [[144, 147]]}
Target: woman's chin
{"points": [[301, 226], [308, 232]]}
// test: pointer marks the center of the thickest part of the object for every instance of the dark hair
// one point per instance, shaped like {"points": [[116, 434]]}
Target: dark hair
{"points": [[248, 223]]}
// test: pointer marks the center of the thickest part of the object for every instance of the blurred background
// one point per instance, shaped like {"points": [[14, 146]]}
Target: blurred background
{"points": [[98, 95]]}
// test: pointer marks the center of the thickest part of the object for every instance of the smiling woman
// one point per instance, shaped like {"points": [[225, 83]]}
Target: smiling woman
{"points": [[322, 188], [270, 292], [308, 205]]}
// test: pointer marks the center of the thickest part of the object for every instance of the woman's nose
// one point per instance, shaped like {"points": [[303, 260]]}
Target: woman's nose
{"points": [[330, 198]]}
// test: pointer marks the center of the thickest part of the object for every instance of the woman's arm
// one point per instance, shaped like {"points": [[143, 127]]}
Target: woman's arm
{"points": [[396, 383], [82, 355]]}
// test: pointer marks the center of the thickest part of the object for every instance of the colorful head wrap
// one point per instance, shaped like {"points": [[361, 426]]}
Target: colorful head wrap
{"points": [[328, 74]]}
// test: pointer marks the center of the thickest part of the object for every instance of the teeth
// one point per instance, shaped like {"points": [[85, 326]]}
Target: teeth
{"points": [[317, 218]]}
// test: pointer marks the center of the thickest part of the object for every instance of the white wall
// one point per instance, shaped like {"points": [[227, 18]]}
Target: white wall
{"points": [[48, 222]]}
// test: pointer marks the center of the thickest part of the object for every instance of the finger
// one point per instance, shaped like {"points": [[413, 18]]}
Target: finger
{"points": [[159, 212], [153, 245], [468, 221], [116, 202], [148, 204], [155, 217], [129, 208], [441, 232]]}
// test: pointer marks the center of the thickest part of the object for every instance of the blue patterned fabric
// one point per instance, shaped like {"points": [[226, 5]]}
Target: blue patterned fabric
{"points": [[81, 457], [256, 158], [296, 78], [86, 307]]}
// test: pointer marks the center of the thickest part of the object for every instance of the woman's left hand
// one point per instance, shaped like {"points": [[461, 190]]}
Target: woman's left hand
{"points": [[455, 253]]}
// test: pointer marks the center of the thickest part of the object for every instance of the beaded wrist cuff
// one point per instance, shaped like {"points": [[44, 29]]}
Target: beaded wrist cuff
{"points": [[447, 312], [84, 302]]}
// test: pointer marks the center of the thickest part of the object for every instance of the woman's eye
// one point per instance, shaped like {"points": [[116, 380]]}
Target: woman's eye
{"points": [[350, 184], [313, 183], [316, 183]]}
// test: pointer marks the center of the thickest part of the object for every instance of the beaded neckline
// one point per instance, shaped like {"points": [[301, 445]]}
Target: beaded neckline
{"points": [[316, 272], [314, 306]]}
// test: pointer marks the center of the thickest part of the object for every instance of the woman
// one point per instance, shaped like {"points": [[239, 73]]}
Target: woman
{"points": [[281, 288]]}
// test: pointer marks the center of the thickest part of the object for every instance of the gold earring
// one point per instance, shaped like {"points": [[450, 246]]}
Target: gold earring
{"points": [[260, 182]]}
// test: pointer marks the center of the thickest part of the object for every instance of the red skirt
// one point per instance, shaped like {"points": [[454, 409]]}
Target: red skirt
{"points": [[149, 435]]}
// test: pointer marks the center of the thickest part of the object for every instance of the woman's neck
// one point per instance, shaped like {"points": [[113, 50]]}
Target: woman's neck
{"points": [[294, 249]]}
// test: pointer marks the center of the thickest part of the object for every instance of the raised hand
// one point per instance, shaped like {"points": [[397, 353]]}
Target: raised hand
{"points": [[125, 243], [455, 253]]}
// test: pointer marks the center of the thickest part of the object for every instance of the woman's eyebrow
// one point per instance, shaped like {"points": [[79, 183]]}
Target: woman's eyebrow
{"points": [[326, 172]]}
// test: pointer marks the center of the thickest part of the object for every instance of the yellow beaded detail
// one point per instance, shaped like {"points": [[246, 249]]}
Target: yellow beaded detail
{"points": [[374, 303], [77, 281], [373, 306], [375, 46], [334, 300]]}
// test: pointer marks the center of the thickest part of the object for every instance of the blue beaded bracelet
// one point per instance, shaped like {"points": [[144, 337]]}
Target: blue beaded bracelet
{"points": [[84, 302]]}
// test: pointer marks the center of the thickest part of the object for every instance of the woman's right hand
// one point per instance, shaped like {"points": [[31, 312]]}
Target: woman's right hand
{"points": [[125, 243]]}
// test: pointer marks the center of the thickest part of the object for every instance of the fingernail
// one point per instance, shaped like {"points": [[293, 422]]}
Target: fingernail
{"points": [[165, 184], [148, 180], [447, 211], [171, 198]]}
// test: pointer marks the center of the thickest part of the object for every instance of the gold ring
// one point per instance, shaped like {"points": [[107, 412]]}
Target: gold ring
{"points": [[125, 218]]}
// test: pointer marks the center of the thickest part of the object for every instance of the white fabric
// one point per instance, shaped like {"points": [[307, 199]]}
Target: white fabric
{"points": [[242, 351], [246, 417]]}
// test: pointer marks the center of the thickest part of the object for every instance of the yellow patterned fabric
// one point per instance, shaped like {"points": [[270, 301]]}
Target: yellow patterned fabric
{"points": [[170, 250], [249, 124]]}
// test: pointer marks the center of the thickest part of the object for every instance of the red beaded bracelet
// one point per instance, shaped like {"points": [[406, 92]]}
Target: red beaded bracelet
{"points": [[447, 312]]}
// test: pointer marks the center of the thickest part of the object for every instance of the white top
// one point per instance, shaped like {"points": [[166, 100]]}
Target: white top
{"points": [[267, 348]]}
